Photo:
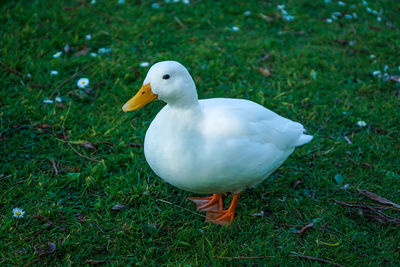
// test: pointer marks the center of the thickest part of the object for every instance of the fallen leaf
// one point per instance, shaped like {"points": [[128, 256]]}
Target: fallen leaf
{"points": [[119, 207], [339, 179], [82, 52], [45, 249], [377, 198], [264, 72]]}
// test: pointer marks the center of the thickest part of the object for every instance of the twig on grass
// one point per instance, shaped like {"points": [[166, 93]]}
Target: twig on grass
{"points": [[315, 259], [70, 78], [53, 162], [81, 155]]}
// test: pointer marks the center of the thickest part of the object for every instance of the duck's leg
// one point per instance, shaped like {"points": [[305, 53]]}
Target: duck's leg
{"points": [[213, 202], [226, 216]]}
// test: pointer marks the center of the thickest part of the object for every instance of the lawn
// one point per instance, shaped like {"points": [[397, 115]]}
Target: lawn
{"points": [[74, 162]]}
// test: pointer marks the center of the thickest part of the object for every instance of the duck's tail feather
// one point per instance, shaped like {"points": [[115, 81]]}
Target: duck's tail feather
{"points": [[304, 139]]}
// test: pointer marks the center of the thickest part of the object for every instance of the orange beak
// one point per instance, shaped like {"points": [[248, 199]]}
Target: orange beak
{"points": [[142, 98]]}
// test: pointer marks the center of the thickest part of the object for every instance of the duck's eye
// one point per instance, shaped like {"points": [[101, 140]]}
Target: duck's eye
{"points": [[166, 76]]}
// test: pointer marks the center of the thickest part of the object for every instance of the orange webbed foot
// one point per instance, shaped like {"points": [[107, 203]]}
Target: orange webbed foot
{"points": [[224, 217], [213, 202]]}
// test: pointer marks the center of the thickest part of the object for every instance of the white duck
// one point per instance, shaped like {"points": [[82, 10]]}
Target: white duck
{"points": [[213, 145]]}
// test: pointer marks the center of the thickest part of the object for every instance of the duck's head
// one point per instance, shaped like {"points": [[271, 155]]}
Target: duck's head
{"points": [[169, 81]]}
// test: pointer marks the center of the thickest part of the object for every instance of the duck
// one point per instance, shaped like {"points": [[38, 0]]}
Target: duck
{"points": [[211, 146]]}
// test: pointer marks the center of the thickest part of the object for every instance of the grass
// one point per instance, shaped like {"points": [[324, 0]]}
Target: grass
{"points": [[320, 76]]}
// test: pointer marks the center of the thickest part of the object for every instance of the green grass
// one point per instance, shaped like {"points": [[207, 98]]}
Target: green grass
{"points": [[223, 63]]}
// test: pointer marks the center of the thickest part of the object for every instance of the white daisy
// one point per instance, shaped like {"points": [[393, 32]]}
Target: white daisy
{"points": [[58, 99], [364, 2], [144, 64], [93, 2], [88, 37], [372, 56], [186, 2], [18, 213], [340, 3], [329, 20], [280, 7], [235, 28], [30, 75], [93, 54], [337, 13], [48, 101], [53, 72], [58, 54], [355, 15], [378, 18], [361, 123], [83, 82], [348, 16], [247, 13]]}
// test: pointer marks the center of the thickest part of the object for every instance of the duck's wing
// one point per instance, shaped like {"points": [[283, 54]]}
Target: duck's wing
{"points": [[238, 117]]}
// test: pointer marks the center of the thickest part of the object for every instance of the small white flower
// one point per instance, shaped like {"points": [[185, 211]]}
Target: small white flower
{"points": [[361, 123], [369, 10], [355, 15], [372, 56], [337, 13], [120, 2], [186, 2], [235, 28], [284, 12], [280, 7], [351, 43], [247, 13], [88, 37], [378, 18], [58, 54], [353, 6], [329, 20], [167, 1], [340, 3], [328, 1], [364, 2], [48, 101], [30, 75], [93, 2], [93, 54], [58, 99], [288, 18], [83, 82], [18, 213], [144, 64], [53, 72], [348, 16], [156, 6], [397, 68], [175, 1], [385, 69], [334, 17], [376, 73]]}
